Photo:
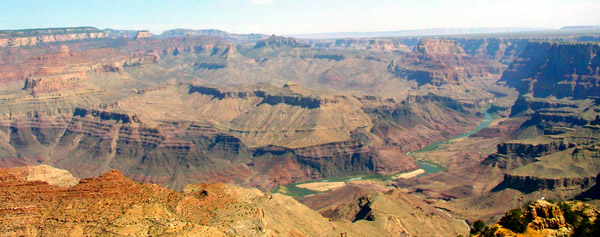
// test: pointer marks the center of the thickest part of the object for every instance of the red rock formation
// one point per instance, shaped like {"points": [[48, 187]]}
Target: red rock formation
{"points": [[439, 62], [55, 64], [558, 69], [68, 81], [115, 205]]}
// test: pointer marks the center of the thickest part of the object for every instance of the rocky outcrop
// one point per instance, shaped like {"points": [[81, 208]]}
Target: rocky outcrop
{"points": [[114, 204], [434, 117], [67, 81], [426, 77], [503, 50], [120, 34], [294, 100], [545, 215], [142, 34], [327, 160], [560, 173], [529, 184], [532, 150], [439, 62], [291, 98], [16, 38], [548, 120], [525, 104], [333, 159], [558, 69], [44, 173], [140, 58], [206, 46], [105, 115], [546, 218], [59, 65], [438, 47], [103, 140], [279, 41]]}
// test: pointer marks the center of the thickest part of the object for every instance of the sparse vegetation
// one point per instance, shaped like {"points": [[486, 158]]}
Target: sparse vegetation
{"points": [[582, 226], [489, 232], [515, 220], [570, 216], [478, 227]]}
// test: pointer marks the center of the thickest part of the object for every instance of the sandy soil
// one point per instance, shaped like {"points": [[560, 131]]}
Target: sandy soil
{"points": [[322, 186], [408, 175]]}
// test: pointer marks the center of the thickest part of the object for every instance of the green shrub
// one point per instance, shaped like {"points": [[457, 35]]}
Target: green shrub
{"points": [[515, 221], [570, 216], [489, 232], [596, 227], [478, 227], [582, 226]]}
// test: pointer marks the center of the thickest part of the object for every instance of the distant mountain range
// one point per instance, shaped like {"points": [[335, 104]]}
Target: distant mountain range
{"points": [[419, 32], [484, 31]]}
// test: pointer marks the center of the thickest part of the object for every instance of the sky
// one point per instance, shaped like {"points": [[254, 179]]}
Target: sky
{"points": [[286, 17]]}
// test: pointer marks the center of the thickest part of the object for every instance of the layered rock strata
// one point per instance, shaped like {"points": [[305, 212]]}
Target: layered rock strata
{"points": [[16, 38]]}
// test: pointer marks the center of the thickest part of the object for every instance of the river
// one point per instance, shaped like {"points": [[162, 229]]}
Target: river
{"points": [[294, 191], [432, 168]]}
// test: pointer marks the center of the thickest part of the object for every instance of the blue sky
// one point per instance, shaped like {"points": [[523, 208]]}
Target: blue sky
{"points": [[297, 16]]}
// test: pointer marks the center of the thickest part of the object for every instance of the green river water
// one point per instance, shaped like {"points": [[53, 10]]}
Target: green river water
{"points": [[294, 191]]}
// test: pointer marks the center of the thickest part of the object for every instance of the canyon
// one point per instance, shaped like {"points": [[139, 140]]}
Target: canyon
{"points": [[204, 125]]}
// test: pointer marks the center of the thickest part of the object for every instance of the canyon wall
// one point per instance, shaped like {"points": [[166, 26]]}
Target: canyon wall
{"points": [[556, 69], [438, 62], [16, 38]]}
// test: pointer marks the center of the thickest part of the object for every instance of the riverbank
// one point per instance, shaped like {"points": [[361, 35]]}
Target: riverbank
{"points": [[425, 167], [431, 166], [408, 175]]}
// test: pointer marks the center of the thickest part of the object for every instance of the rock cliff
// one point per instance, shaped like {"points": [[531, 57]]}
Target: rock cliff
{"points": [[289, 98], [503, 50], [279, 41], [556, 69], [565, 173], [438, 62], [436, 117], [67, 81], [544, 218], [16, 38], [142, 34]]}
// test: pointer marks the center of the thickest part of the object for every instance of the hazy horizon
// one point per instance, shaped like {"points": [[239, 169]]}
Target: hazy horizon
{"points": [[294, 17]]}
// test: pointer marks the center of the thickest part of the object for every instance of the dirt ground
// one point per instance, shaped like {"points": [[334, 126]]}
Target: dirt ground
{"points": [[322, 186], [411, 174]]}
